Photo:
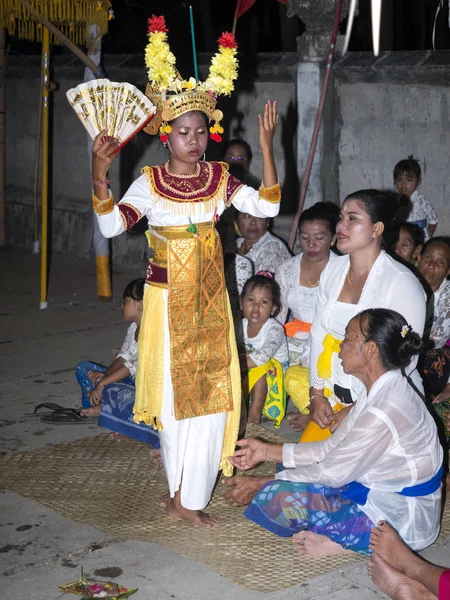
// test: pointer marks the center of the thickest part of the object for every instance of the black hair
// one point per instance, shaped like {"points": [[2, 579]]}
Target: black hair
{"points": [[377, 205], [135, 290], [440, 239], [263, 281], [408, 166], [416, 233], [397, 343], [327, 212], [238, 142]]}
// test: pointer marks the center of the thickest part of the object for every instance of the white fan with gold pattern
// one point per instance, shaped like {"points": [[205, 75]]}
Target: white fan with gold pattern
{"points": [[120, 108]]}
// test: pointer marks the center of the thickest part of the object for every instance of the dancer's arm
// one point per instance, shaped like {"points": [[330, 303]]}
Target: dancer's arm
{"points": [[267, 126]]}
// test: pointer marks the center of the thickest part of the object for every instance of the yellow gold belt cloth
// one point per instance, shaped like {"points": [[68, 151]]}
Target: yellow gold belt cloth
{"points": [[204, 362]]}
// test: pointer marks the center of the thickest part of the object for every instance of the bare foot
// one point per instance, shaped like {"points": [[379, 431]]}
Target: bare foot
{"points": [[164, 499], [298, 422], [242, 488], [197, 517], [313, 545], [386, 542], [155, 455], [93, 411], [394, 584], [254, 419]]}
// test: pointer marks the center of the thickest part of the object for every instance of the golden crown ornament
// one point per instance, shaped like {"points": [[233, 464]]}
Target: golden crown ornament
{"points": [[174, 96]]}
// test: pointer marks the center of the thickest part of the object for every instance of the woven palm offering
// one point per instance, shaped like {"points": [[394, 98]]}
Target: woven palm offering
{"points": [[120, 108]]}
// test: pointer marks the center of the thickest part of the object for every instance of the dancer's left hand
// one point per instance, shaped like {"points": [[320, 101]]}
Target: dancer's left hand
{"points": [[267, 126], [251, 453]]}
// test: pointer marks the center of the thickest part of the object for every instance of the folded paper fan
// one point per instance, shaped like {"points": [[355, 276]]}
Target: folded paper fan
{"points": [[118, 107]]}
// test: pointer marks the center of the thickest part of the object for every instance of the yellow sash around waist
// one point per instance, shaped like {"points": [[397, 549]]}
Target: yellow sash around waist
{"points": [[201, 347]]}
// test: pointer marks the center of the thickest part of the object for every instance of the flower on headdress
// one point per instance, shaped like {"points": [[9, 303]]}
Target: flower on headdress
{"points": [[224, 65], [159, 59], [157, 24], [191, 84], [227, 40], [404, 331]]}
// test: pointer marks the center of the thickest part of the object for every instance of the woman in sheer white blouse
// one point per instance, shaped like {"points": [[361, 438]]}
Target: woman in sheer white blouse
{"points": [[384, 461]]}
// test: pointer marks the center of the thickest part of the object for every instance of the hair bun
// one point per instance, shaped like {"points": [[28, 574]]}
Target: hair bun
{"points": [[412, 157], [410, 345]]}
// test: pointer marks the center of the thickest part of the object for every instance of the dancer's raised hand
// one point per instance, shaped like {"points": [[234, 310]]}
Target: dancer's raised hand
{"points": [[267, 126]]}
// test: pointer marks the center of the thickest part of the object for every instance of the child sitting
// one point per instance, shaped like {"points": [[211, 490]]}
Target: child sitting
{"points": [[407, 178], [109, 393], [266, 349], [407, 241]]}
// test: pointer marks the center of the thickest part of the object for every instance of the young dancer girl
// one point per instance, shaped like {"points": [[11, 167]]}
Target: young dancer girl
{"points": [[109, 393], [188, 378], [266, 348]]}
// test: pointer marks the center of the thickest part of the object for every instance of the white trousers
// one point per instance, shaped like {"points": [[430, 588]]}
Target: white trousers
{"points": [[191, 449]]}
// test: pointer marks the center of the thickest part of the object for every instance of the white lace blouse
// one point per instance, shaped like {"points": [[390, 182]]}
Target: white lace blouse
{"points": [[389, 285], [129, 350], [299, 301], [267, 253], [388, 442], [440, 329], [269, 343]]}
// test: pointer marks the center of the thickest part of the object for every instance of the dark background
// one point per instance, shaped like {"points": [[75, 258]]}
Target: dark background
{"points": [[406, 25]]}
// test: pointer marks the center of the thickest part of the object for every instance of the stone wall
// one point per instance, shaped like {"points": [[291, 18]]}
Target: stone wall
{"points": [[261, 78], [386, 108]]}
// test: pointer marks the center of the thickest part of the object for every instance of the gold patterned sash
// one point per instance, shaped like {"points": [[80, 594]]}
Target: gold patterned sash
{"points": [[200, 352]]}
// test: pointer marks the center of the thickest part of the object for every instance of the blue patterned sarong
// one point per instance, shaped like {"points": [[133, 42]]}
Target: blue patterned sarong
{"points": [[286, 507], [117, 406]]}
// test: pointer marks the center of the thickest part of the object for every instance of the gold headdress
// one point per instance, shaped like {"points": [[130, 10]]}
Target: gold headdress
{"points": [[174, 96]]}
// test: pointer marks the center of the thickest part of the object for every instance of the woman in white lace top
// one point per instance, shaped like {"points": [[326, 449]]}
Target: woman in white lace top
{"points": [[265, 250], [365, 278], [298, 278]]}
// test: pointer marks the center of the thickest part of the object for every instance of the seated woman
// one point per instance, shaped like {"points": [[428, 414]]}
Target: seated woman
{"points": [[366, 277], [298, 278], [265, 349], [434, 267], [384, 461], [109, 393], [407, 241], [265, 250]]}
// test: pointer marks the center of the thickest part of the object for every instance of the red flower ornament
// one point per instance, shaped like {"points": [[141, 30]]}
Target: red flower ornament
{"points": [[157, 24], [163, 138], [227, 40], [216, 137]]}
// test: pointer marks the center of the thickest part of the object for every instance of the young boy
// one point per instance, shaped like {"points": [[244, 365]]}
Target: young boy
{"points": [[407, 178]]}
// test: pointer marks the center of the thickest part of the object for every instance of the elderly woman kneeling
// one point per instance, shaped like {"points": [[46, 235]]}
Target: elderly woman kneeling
{"points": [[383, 462]]}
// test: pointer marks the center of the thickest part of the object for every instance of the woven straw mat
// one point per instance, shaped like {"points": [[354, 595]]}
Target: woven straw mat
{"points": [[115, 487]]}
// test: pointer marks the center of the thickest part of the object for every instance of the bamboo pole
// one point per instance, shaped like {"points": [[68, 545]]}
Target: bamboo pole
{"points": [[2, 136], [96, 69], [44, 206]]}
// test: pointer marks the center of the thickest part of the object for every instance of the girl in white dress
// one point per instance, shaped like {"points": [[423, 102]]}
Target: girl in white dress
{"points": [[266, 348]]}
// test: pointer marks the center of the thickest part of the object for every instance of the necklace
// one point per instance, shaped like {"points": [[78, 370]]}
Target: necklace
{"points": [[350, 283], [183, 175], [244, 248], [313, 284]]}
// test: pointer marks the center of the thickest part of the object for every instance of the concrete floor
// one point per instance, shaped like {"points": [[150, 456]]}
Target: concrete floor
{"points": [[39, 549]]}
